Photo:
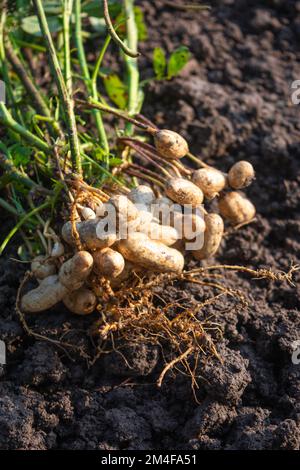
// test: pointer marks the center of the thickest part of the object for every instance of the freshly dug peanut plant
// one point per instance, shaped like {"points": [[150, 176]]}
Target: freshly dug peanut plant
{"points": [[161, 224]]}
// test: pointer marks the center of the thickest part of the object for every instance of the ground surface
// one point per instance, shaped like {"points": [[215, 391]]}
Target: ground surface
{"points": [[231, 102]]}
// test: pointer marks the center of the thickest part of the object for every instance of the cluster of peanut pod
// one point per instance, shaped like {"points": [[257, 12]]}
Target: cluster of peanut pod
{"points": [[140, 230]]}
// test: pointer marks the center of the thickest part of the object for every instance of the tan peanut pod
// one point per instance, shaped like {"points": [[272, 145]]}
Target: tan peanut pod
{"points": [[184, 192], [145, 218], [241, 175], [87, 213], [210, 181], [121, 215], [170, 144], [46, 295], [74, 272], [189, 225], [236, 208], [163, 233], [164, 210], [57, 250], [142, 194], [109, 263], [124, 207], [90, 237], [81, 302], [212, 237], [42, 267], [153, 255]]}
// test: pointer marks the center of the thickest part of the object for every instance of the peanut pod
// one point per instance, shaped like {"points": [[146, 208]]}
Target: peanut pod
{"points": [[74, 272], [235, 207], [81, 302], [212, 237], [155, 256], [210, 181], [170, 144], [108, 263], [90, 236], [241, 175], [46, 295], [42, 267], [184, 192]]}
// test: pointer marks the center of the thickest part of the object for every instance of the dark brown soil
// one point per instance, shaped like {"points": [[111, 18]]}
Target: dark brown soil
{"points": [[231, 102]]}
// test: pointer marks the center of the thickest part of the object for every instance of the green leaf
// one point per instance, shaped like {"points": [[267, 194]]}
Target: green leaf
{"points": [[115, 161], [178, 60], [30, 25], [116, 90], [20, 154], [140, 23], [159, 62]]}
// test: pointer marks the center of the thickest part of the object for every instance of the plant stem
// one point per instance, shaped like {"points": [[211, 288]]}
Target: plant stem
{"points": [[129, 49], [131, 62], [4, 68], [67, 11], [8, 207], [79, 43], [197, 160], [29, 86], [7, 120], [94, 93], [120, 114], [65, 98], [103, 170], [91, 84]]}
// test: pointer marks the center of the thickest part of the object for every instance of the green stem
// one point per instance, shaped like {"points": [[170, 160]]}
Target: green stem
{"points": [[4, 68], [7, 120], [91, 83], [93, 104], [94, 93], [197, 160], [131, 63], [65, 98], [67, 11], [8, 207], [79, 43], [24, 219], [128, 49], [29, 86], [103, 170]]}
